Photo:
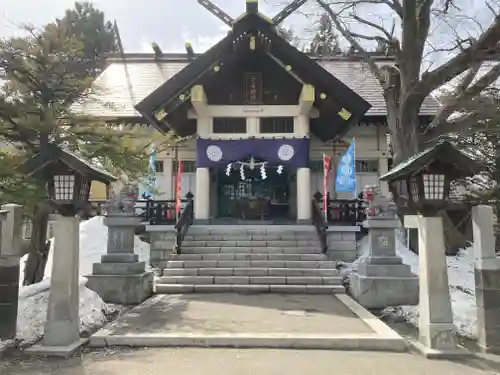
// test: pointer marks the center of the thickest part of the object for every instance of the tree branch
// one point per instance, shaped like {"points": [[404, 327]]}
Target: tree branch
{"points": [[376, 71], [478, 52], [465, 93]]}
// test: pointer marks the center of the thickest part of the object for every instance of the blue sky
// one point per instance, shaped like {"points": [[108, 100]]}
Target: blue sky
{"points": [[170, 23]]}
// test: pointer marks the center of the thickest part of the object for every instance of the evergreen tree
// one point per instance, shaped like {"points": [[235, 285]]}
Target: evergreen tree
{"points": [[44, 78], [98, 36], [325, 41]]}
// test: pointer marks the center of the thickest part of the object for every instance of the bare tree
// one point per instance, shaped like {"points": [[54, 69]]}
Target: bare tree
{"points": [[415, 25]]}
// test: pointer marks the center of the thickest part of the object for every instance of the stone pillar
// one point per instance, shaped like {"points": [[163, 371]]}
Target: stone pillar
{"points": [[382, 279], [10, 253], [304, 196], [437, 332], [487, 279], [62, 327], [202, 195], [120, 277]]}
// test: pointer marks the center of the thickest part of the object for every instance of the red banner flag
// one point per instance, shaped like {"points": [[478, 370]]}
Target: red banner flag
{"points": [[178, 188], [326, 170]]}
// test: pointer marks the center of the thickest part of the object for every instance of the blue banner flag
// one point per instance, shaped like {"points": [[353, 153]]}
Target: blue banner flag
{"points": [[151, 181], [345, 181]]}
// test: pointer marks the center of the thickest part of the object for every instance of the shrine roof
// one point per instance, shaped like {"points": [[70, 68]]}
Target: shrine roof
{"points": [[130, 78]]}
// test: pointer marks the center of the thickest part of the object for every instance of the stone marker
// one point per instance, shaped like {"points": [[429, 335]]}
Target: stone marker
{"points": [[437, 332], [487, 279], [10, 254], [120, 277], [382, 279], [62, 327]]}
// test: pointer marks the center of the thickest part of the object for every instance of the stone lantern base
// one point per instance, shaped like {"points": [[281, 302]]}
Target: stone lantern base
{"points": [[120, 278], [382, 279], [121, 283], [377, 286]]}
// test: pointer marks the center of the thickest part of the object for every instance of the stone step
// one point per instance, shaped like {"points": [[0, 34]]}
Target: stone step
{"points": [[252, 237], [250, 250], [327, 272], [251, 244], [252, 280], [247, 289], [222, 256], [250, 264]]}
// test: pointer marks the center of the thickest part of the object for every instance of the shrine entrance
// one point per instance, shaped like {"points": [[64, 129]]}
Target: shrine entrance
{"points": [[248, 196]]}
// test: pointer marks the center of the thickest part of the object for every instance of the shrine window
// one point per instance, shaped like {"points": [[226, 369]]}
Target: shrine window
{"points": [[232, 125], [367, 166], [274, 125], [188, 166]]}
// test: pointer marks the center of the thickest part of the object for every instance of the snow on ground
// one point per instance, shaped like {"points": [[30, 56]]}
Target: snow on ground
{"points": [[461, 282], [94, 312]]}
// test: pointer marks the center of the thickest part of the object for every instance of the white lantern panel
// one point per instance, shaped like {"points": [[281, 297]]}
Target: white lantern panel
{"points": [[64, 187], [433, 186]]}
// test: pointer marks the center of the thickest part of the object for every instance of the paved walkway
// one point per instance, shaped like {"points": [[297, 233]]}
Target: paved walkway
{"points": [[260, 320], [188, 361]]}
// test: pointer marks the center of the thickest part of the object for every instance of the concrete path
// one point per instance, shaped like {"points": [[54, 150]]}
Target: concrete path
{"points": [[252, 321], [188, 361]]}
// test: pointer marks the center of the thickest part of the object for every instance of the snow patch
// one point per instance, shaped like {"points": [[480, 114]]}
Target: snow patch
{"points": [[460, 279], [94, 312]]}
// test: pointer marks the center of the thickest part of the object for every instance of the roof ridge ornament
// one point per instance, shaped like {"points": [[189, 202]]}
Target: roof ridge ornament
{"points": [[252, 6]]}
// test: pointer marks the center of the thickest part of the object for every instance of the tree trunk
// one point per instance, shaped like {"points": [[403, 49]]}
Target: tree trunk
{"points": [[38, 247]]}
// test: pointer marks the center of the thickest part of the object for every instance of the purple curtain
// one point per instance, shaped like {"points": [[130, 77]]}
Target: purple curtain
{"points": [[292, 152]]}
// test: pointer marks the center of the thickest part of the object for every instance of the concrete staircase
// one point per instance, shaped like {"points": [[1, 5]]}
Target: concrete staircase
{"points": [[250, 259]]}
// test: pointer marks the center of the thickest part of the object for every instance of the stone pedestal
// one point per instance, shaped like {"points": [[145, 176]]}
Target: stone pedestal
{"points": [[487, 279], [382, 279], [62, 328], [120, 278], [10, 253]]}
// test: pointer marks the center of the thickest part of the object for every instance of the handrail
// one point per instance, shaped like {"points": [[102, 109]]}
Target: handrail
{"points": [[320, 224], [183, 224]]}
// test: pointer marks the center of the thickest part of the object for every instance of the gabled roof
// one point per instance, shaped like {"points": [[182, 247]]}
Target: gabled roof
{"points": [[166, 97], [130, 78], [38, 162], [443, 151]]}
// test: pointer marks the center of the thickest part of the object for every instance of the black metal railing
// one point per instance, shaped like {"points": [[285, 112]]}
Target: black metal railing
{"points": [[342, 211], [319, 222], [158, 212], [183, 224], [345, 212]]}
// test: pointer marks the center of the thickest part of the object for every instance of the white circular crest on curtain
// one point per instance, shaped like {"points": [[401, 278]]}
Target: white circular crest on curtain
{"points": [[214, 153], [286, 152]]}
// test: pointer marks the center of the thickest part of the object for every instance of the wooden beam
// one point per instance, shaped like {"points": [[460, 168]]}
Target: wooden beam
{"points": [[287, 11], [199, 100], [252, 6], [217, 12], [306, 99]]}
